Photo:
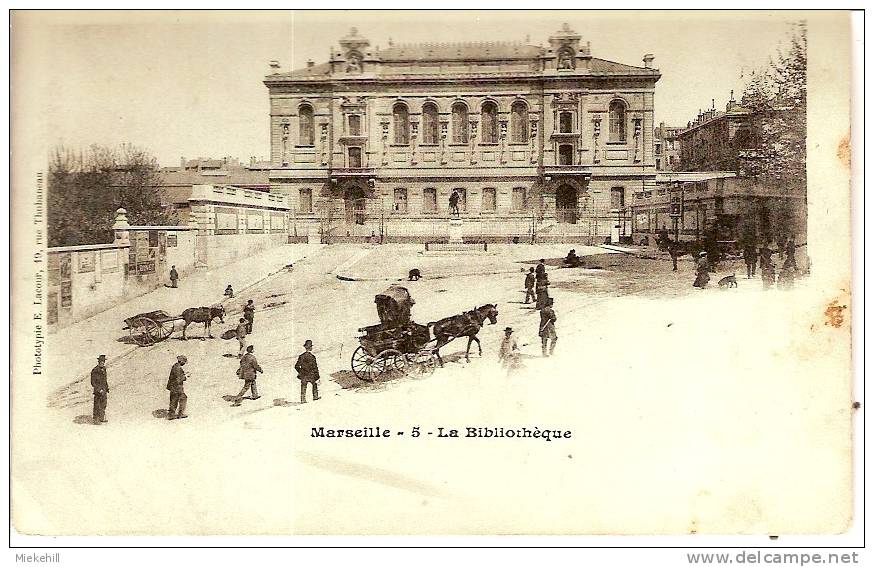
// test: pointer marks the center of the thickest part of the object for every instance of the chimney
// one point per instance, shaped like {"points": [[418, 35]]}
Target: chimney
{"points": [[647, 60], [310, 63], [730, 104], [251, 160], [274, 66], [183, 162]]}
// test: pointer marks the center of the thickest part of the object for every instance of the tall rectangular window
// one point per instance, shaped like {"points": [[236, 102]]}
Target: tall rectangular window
{"points": [[306, 201], [565, 122], [354, 125], [354, 157], [518, 203], [565, 154], [400, 205], [429, 200], [617, 197], [490, 199]]}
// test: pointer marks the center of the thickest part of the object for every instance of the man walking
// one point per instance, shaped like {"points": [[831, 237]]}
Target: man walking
{"points": [[674, 251], [509, 352], [767, 267], [249, 315], [750, 258], [248, 372], [307, 372], [547, 328], [242, 329], [174, 276], [176, 386], [101, 389], [529, 285]]}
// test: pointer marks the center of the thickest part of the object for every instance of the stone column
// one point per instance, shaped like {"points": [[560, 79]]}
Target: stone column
{"points": [[122, 228]]}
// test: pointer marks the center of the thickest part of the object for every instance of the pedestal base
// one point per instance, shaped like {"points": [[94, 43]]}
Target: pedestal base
{"points": [[455, 231]]}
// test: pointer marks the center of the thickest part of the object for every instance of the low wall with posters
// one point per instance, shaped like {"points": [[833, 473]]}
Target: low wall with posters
{"points": [[85, 280]]}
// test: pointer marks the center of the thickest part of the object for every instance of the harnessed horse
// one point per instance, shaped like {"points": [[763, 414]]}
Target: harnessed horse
{"points": [[467, 324], [203, 315]]}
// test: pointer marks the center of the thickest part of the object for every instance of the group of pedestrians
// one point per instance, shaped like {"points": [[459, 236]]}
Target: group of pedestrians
{"points": [[537, 288], [764, 257], [307, 372]]}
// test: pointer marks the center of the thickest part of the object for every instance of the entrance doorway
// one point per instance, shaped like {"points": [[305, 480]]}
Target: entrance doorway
{"points": [[566, 204], [356, 205]]}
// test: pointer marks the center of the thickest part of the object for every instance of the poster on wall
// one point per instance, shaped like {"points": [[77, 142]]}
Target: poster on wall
{"points": [[66, 267], [54, 268], [86, 262], [109, 261], [171, 241], [66, 294], [52, 311]]}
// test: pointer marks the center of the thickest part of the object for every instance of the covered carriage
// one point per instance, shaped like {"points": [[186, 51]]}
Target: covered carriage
{"points": [[396, 343]]}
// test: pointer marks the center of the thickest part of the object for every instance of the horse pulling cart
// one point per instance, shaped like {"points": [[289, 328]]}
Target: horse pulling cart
{"points": [[396, 344], [147, 329]]}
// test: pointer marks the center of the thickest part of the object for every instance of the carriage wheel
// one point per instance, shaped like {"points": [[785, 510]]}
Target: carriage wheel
{"points": [[395, 361], [366, 367], [422, 362], [139, 335], [157, 330]]}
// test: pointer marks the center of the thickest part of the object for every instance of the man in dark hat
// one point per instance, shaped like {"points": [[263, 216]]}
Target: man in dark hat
{"points": [[540, 271], [509, 352], [248, 372], [176, 386], [174, 276], [529, 285], [702, 267], [547, 328], [101, 389], [249, 315], [307, 372]]}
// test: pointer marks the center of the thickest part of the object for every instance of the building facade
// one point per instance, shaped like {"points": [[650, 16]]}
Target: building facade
{"points": [[667, 147], [716, 140], [536, 141]]}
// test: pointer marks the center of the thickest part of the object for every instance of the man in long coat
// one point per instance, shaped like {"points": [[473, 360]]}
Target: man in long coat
{"points": [[768, 269], [702, 271], [242, 331], [248, 372], [101, 389], [750, 258], [509, 351], [174, 276], [542, 291], [307, 372], [249, 315], [176, 386], [547, 328], [529, 285]]}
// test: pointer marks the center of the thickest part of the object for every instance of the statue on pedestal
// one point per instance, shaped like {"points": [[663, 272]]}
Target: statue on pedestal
{"points": [[453, 203]]}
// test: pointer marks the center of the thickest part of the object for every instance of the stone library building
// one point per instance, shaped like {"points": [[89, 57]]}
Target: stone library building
{"points": [[533, 141]]}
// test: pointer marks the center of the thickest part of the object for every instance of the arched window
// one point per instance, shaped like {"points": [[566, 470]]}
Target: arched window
{"points": [[519, 122], [490, 123], [617, 121], [430, 123], [402, 124], [459, 123], [306, 133]]}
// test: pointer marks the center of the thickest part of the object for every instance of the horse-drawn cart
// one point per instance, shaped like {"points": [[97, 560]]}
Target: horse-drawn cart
{"points": [[153, 327], [149, 328], [396, 344]]}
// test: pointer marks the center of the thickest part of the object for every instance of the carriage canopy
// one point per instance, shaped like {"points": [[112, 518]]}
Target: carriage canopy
{"points": [[394, 305]]}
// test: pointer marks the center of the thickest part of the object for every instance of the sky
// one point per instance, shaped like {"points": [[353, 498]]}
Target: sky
{"points": [[190, 83]]}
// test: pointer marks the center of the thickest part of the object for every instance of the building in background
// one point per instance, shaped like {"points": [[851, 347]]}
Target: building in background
{"points": [[667, 147], [177, 182], [542, 142], [716, 140]]}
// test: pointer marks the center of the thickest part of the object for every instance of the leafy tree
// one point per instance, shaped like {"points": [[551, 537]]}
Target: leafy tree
{"points": [[777, 97], [85, 190]]}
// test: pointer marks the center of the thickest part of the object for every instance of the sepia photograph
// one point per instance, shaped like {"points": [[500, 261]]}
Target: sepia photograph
{"points": [[433, 273]]}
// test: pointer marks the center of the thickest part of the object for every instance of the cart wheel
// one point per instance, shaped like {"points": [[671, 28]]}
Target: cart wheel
{"points": [[366, 367], [166, 328], [154, 331], [395, 361]]}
